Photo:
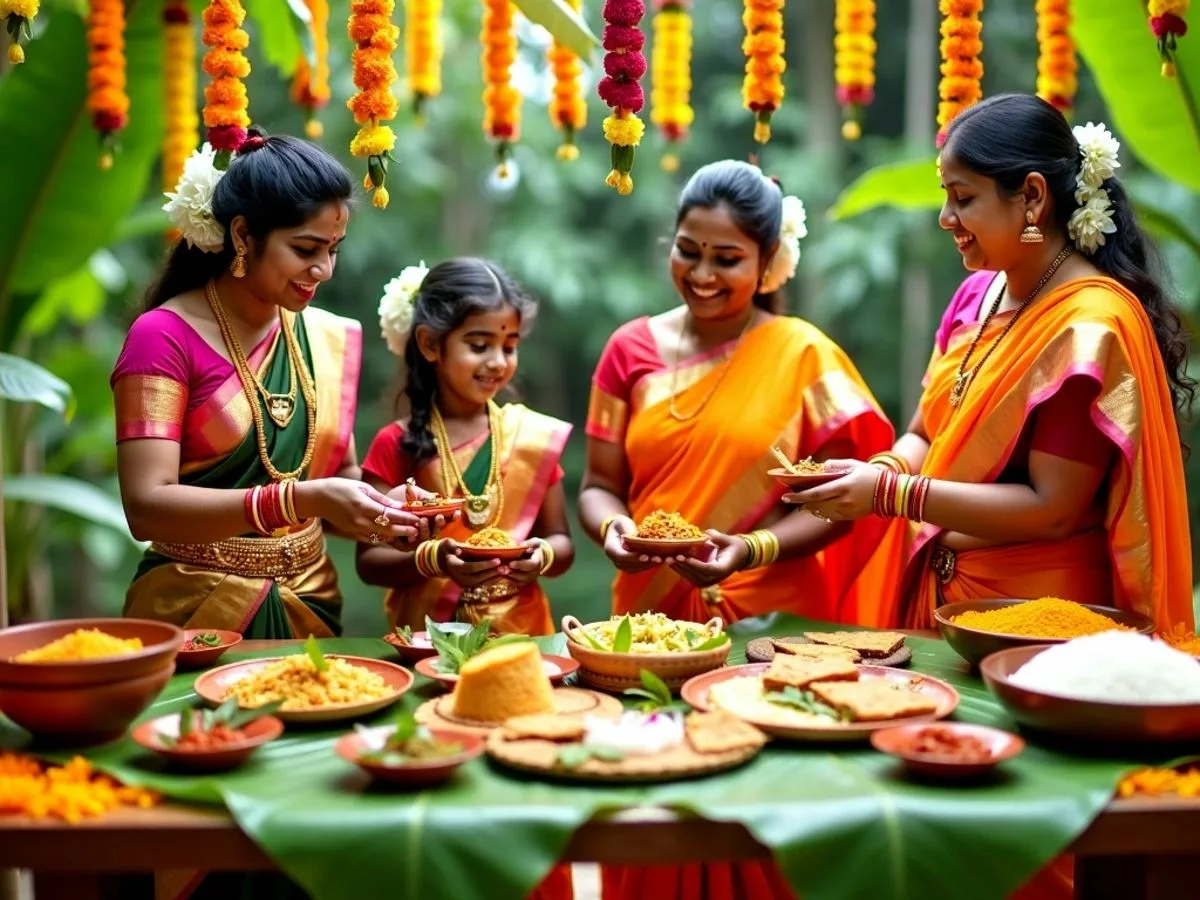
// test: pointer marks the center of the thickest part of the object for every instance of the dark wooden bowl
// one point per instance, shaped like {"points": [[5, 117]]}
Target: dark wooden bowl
{"points": [[973, 645], [160, 644]]}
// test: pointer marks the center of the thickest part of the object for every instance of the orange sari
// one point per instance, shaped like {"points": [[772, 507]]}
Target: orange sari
{"points": [[787, 385], [1141, 561], [531, 445]]}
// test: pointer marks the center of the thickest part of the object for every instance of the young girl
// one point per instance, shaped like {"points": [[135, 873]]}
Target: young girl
{"points": [[458, 327]]}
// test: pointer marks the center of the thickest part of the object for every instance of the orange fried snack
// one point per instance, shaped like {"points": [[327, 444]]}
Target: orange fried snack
{"points": [[664, 526]]}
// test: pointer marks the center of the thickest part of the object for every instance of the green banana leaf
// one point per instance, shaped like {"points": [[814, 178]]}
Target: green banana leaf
{"points": [[842, 820], [564, 24], [281, 32], [1158, 117], [23, 381], [69, 495], [59, 206], [906, 185]]}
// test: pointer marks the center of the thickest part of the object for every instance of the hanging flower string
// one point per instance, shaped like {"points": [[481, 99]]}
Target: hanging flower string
{"points": [[501, 101], [181, 125], [225, 100], [310, 83], [375, 37], [18, 18], [621, 89], [762, 88], [961, 67], [671, 76], [1167, 25], [107, 101], [1056, 63], [854, 62], [423, 50], [568, 109]]}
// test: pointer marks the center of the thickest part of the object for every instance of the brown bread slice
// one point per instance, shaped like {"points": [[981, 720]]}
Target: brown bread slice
{"points": [[815, 651], [721, 732], [874, 700], [798, 672], [875, 644]]}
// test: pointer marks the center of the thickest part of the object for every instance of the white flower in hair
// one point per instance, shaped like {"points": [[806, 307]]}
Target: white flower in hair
{"points": [[1099, 150], [189, 206], [1091, 222], [396, 306], [792, 227]]}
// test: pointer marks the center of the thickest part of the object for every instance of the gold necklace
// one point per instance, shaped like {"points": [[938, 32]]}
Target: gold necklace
{"points": [[248, 380], [671, 407], [964, 378], [280, 407], [483, 509]]}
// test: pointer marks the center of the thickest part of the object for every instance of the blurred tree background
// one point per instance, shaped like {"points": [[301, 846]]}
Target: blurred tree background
{"points": [[78, 246]]}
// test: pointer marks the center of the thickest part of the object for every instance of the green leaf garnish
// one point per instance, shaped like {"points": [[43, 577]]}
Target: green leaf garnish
{"points": [[654, 691], [406, 728], [717, 640], [607, 754], [596, 645], [572, 756], [623, 637], [185, 721], [243, 717], [315, 654], [805, 701]]}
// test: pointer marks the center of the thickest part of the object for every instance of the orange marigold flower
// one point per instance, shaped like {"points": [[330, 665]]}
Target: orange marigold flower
{"points": [[226, 103], [1056, 65], [961, 68], [762, 87], [370, 27], [501, 101]]}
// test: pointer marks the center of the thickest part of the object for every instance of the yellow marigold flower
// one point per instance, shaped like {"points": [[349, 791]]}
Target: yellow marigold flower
{"points": [[961, 68], [370, 27], [424, 48], [501, 101], [762, 87], [670, 77], [16, 55], [373, 140], [26, 9], [380, 198], [625, 131]]}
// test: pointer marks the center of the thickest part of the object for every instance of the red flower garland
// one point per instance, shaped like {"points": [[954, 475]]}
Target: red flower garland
{"points": [[624, 65]]}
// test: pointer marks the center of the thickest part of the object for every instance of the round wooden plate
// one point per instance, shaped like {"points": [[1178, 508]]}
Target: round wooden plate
{"points": [[695, 694], [571, 701], [540, 757], [761, 650], [557, 668], [214, 684]]}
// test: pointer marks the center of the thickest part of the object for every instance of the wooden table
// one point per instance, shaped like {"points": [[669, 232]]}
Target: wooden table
{"points": [[1138, 849]]}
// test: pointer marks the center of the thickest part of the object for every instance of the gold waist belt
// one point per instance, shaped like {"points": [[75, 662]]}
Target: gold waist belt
{"points": [[254, 557], [944, 562], [490, 592]]}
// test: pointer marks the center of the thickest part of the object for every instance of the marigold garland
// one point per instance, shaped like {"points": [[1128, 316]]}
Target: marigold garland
{"points": [[568, 109], [375, 37], [762, 88], [1167, 25], [225, 100], [107, 101], [423, 50], [621, 89], [310, 83], [961, 68], [181, 125], [671, 76], [18, 18], [1057, 65], [501, 101], [854, 62]]}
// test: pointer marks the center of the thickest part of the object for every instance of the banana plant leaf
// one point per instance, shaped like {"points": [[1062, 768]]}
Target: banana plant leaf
{"points": [[842, 821], [564, 24], [905, 185]]}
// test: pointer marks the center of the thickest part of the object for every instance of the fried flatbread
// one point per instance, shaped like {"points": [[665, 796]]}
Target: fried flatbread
{"points": [[875, 644], [874, 700], [815, 651], [799, 672], [544, 727], [721, 732]]}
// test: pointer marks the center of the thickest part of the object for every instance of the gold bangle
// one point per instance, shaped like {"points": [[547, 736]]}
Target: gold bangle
{"points": [[604, 526], [547, 556], [893, 461], [756, 551], [769, 544]]}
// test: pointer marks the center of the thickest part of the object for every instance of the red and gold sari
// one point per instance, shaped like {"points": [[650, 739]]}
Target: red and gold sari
{"points": [[169, 384], [786, 385], [531, 445]]}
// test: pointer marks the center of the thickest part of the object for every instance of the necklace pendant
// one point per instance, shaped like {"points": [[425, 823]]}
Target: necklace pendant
{"points": [[959, 390], [281, 408], [479, 510]]}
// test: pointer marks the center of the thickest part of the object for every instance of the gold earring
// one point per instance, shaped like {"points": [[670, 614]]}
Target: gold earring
{"points": [[1032, 234], [237, 268]]}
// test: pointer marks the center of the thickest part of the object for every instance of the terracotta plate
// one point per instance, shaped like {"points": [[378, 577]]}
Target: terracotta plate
{"points": [[213, 685], [447, 509], [199, 659], [800, 481], [1002, 744], [483, 554], [418, 773], [695, 694], [659, 547], [557, 668], [218, 759], [571, 701]]}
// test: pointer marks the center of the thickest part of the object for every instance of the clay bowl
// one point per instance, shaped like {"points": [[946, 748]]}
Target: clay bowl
{"points": [[1121, 723], [217, 759], [420, 773], [160, 644], [665, 548], [483, 554], [83, 716], [199, 659], [896, 742], [420, 648], [973, 645], [448, 507], [800, 481]]}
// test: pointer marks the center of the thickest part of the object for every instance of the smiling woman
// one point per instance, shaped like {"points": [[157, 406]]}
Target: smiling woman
{"points": [[235, 403]]}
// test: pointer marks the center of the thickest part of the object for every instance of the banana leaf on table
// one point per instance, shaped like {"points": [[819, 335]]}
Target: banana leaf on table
{"points": [[842, 821]]}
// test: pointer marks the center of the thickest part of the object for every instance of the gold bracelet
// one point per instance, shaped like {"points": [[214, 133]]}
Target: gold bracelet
{"points": [[893, 461], [426, 559], [770, 546], [754, 545], [604, 526], [547, 556]]}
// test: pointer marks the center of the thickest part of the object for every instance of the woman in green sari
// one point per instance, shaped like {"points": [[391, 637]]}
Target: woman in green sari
{"points": [[235, 404]]}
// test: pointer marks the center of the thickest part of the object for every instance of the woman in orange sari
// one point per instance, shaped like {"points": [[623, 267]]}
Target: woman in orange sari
{"points": [[1046, 446], [686, 407], [235, 403]]}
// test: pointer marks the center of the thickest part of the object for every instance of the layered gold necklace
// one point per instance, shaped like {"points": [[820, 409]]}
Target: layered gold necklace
{"points": [[252, 387], [481, 509]]}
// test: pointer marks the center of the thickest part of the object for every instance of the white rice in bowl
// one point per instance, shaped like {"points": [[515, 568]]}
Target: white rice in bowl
{"points": [[1113, 667]]}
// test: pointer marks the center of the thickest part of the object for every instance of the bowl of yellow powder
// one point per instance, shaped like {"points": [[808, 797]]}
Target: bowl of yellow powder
{"points": [[83, 681], [977, 628]]}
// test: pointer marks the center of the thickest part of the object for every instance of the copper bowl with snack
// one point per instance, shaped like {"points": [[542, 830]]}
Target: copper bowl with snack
{"points": [[948, 751], [666, 535], [80, 682], [974, 644], [202, 647]]}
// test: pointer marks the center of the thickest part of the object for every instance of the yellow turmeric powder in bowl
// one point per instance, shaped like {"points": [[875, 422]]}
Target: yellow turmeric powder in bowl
{"points": [[664, 526], [1048, 617], [80, 644]]}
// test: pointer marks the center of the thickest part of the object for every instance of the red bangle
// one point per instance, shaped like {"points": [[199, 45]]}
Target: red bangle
{"points": [[272, 508], [248, 508]]}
